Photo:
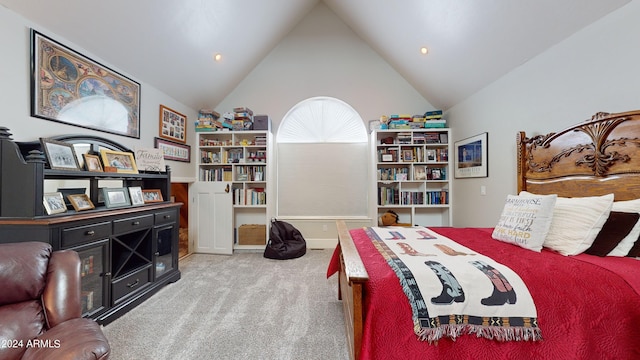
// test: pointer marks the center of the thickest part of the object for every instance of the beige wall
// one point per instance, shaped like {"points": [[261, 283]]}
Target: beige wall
{"points": [[15, 94], [594, 70]]}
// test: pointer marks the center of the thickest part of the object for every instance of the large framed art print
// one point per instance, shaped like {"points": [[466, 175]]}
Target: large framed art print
{"points": [[70, 88], [471, 160]]}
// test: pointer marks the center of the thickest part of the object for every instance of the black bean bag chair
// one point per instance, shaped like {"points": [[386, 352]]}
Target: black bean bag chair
{"points": [[285, 242]]}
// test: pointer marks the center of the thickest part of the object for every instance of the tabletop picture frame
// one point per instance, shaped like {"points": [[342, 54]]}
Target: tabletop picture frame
{"points": [[152, 195], [173, 125], [123, 161], [116, 197], [471, 160], [80, 202], [135, 193], [60, 155], [92, 163], [54, 203]]}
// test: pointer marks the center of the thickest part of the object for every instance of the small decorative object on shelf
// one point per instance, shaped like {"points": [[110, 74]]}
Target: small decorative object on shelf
{"points": [[135, 192]]}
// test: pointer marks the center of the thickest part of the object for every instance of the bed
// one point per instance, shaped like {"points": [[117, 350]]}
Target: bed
{"points": [[587, 305]]}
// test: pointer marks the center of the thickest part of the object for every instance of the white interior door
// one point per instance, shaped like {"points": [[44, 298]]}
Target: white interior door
{"points": [[211, 223]]}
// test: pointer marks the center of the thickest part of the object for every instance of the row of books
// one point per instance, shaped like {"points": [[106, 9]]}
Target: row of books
{"points": [[250, 173], [249, 196], [415, 154], [417, 138], [216, 174], [419, 173], [393, 196]]}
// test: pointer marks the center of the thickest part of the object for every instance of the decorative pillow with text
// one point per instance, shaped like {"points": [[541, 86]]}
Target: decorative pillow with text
{"points": [[525, 220]]}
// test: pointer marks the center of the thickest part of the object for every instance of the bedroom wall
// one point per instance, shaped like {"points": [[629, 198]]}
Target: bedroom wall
{"points": [[322, 56], [15, 95], [594, 70]]}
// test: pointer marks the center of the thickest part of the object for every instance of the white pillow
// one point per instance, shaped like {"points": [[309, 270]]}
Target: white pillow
{"points": [[525, 221], [576, 222], [623, 247]]}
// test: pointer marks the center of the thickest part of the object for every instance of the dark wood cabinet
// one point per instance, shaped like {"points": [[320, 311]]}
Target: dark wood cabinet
{"points": [[127, 254]]}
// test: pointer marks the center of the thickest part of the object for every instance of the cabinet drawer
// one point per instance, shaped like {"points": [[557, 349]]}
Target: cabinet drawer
{"points": [[130, 283], [132, 224], [165, 217], [85, 234]]}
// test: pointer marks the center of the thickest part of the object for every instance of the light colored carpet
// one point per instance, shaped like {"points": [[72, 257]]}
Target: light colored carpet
{"points": [[238, 307]]}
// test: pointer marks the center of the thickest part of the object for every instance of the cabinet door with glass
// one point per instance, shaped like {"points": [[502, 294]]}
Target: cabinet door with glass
{"points": [[94, 274], [165, 241]]}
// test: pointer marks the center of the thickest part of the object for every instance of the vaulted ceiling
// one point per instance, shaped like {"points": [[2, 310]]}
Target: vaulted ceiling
{"points": [[170, 44]]}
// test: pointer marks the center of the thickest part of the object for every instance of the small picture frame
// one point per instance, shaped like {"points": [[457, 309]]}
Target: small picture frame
{"points": [[92, 163], [407, 155], [123, 161], [80, 202], [430, 155], [116, 197], [152, 195], [70, 191], [60, 155], [419, 173], [436, 174], [54, 203], [135, 193]]}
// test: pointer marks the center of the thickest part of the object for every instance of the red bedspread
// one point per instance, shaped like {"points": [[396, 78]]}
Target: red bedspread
{"points": [[585, 311]]}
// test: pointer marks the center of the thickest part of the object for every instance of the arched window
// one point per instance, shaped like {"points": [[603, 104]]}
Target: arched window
{"points": [[322, 170]]}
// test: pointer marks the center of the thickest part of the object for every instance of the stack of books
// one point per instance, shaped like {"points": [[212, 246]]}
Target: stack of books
{"points": [[242, 118], [433, 119]]}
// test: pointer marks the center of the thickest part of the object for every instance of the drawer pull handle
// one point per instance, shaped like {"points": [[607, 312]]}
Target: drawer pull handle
{"points": [[136, 223], [90, 233], [167, 216], [134, 284]]}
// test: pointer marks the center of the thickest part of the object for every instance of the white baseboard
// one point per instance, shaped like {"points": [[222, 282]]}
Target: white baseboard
{"points": [[321, 243]]}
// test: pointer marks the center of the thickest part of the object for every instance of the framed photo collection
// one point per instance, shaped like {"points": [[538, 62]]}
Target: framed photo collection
{"points": [[173, 125]]}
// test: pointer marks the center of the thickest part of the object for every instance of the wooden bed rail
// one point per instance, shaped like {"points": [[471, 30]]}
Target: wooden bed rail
{"points": [[351, 281]]}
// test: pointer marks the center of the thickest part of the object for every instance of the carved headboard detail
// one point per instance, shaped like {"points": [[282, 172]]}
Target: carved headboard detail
{"points": [[605, 148]]}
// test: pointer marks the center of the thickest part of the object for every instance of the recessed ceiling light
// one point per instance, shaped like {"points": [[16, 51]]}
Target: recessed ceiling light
{"points": [[424, 50], [217, 57]]}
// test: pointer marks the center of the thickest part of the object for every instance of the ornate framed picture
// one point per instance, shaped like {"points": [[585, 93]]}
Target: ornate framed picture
{"points": [[70, 88], [60, 155], [471, 157], [152, 195], [173, 125], [92, 163], [123, 161], [54, 203], [80, 202]]}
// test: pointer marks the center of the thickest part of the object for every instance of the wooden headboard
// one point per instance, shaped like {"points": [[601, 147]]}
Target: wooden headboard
{"points": [[597, 157]]}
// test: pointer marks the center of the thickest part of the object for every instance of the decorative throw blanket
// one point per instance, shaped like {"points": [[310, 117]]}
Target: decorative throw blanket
{"points": [[453, 290]]}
